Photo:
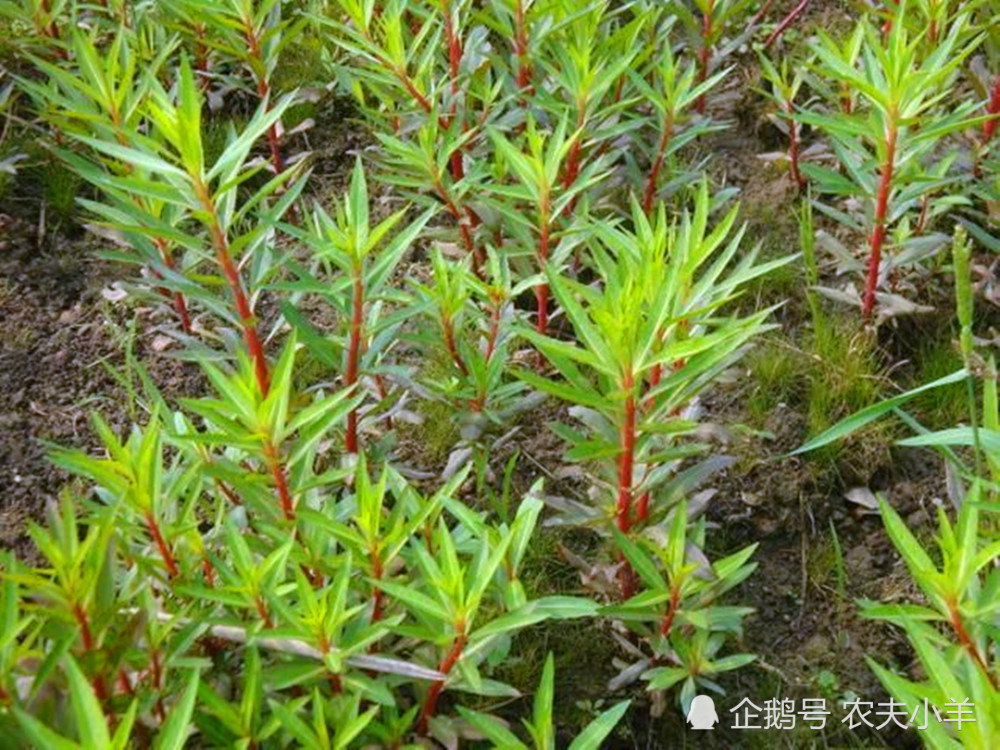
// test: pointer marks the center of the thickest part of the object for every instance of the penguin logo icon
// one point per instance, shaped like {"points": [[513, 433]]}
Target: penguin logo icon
{"points": [[702, 713]]}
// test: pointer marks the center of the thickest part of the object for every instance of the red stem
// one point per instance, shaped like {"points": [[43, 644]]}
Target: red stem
{"points": [[263, 613], [263, 89], [626, 457], [232, 274], [465, 221], [705, 53], [521, 47], [208, 572], [180, 306], [84, 622], [430, 704], [654, 170], [878, 232], [793, 147], [786, 22], [354, 354], [491, 345], [969, 645], [992, 108], [201, 55], [161, 544], [668, 619], [383, 394], [542, 290], [764, 8], [124, 683], [280, 480], [377, 593], [450, 345]]}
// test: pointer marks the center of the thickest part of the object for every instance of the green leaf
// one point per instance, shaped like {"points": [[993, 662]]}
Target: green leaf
{"points": [[40, 735], [177, 727], [492, 729], [597, 730], [90, 721], [542, 709]]}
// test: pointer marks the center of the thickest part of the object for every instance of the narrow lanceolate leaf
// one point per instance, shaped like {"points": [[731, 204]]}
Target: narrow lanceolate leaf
{"points": [[492, 729], [90, 721], [394, 666], [921, 566], [40, 736], [177, 728], [597, 731]]}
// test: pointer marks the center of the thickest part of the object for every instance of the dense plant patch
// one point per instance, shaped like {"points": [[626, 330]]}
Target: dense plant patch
{"points": [[533, 225]]}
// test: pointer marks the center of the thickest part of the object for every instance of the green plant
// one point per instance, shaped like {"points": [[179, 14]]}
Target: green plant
{"points": [[959, 657], [714, 20], [675, 92], [251, 32], [537, 167], [540, 728], [784, 87], [174, 185], [950, 632], [348, 244], [646, 344], [45, 18], [676, 615], [471, 332], [883, 149]]}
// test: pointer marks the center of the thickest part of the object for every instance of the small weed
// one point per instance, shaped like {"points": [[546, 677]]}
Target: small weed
{"points": [[936, 357], [779, 373]]}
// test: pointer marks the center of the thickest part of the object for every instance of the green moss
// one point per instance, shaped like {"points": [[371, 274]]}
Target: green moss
{"points": [[439, 432], [302, 64]]}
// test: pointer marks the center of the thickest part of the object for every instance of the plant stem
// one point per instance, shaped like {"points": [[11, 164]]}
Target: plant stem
{"points": [[161, 544], [968, 644], [354, 353], [221, 244], [180, 306], [705, 53], [208, 572], [764, 8], [263, 89], [881, 210], [465, 221], [280, 480], [574, 156], [430, 704], [491, 344], [654, 170], [666, 625], [263, 613], [793, 147], [626, 456], [521, 46], [451, 346], [377, 593], [542, 290], [84, 622], [785, 23], [992, 108]]}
